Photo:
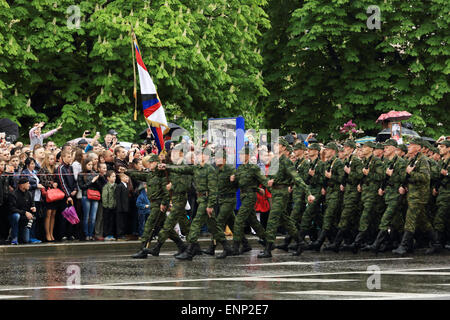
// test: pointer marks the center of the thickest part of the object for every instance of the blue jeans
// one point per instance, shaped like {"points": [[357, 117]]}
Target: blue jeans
{"points": [[89, 213], [142, 218], [15, 225]]}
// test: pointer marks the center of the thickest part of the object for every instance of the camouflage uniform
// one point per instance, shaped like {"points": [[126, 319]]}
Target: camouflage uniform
{"points": [[248, 177], [285, 176], [312, 215], [298, 194], [442, 217]]}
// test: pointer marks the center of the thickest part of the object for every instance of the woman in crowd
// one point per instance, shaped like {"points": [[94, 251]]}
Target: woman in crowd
{"points": [[47, 174], [35, 188], [87, 182]]}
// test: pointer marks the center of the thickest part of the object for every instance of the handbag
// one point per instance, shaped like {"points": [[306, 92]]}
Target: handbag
{"points": [[52, 195], [70, 214], [93, 195]]}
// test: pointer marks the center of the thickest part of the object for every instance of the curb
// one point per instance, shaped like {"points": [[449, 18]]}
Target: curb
{"points": [[71, 247]]}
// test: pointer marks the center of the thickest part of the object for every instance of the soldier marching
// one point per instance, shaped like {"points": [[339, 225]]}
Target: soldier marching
{"points": [[376, 197]]}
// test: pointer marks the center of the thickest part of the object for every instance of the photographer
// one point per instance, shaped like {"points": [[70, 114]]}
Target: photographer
{"points": [[21, 209]]}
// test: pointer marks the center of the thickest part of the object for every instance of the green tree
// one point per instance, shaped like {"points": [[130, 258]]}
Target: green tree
{"points": [[202, 56], [333, 68]]}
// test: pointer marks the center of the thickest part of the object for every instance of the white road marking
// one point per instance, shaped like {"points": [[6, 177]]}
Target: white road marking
{"points": [[12, 297], [145, 288], [301, 263], [373, 294]]}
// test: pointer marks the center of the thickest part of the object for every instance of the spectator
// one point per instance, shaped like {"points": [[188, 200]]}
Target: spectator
{"points": [[109, 159], [4, 191], [67, 183], [47, 174], [101, 182], [143, 206], [38, 156], [109, 205], [35, 188], [92, 156], [122, 197], [121, 161], [36, 137], [21, 209], [87, 182], [50, 146]]}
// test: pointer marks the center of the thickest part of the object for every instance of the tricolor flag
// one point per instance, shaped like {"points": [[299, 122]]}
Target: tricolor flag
{"points": [[152, 107]]}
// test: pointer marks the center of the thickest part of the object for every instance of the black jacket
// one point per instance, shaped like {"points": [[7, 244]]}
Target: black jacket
{"points": [[66, 179], [20, 202], [122, 198], [85, 182]]}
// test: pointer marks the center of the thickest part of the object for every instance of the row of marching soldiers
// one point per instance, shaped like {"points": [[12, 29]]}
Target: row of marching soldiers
{"points": [[375, 197]]}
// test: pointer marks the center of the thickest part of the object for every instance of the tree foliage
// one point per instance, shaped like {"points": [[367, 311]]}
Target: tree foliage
{"points": [[202, 56], [324, 66]]}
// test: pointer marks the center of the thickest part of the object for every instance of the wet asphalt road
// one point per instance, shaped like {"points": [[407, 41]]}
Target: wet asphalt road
{"points": [[311, 276]]}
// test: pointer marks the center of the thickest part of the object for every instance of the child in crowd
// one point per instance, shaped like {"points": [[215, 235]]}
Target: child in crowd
{"points": [[122, 195], [143, 206], [109, 205]]}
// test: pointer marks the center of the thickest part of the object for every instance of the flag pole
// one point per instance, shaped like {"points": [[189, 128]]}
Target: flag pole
{"points": [[133, 37]]}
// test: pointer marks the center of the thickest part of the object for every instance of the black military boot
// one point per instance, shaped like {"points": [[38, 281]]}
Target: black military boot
{"points": [[376, 245], [227, 251], [188, 254], [236, 245], [435, 243], [267, 251], [180, 245], [356, 245], [285, 245], [406, 244], [197, 250], [245, 246], [143, 253], [211, 250], [154, 251], [316, 245], [299, 249], [337, 242]]}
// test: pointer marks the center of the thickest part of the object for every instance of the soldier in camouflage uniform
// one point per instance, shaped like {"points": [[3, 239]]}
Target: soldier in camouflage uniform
{"points": [[334, 177], [226, 201], [442, 192], [298, 194], [380, 205], [279, 183], [315, 180], [416, 185], [178, 187], [435, 175], [248, 177], [395, 174], [159, 201], [206, 186], [373, 175], [350, 213]]}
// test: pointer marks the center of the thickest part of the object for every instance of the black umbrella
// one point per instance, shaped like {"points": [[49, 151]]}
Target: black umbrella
{"points": [[430, 140], [172, 128], [10, 128], [303, 137], [385, 134]]}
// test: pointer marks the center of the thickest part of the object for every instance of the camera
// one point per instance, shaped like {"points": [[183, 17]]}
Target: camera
{"points": [[87, 132], [30, 223]]}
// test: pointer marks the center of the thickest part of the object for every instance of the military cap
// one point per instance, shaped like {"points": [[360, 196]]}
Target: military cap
{"points": [[403, 147], [350, 143], [315, 146], [289, 149], [379, 146], [283, 142], [434, 149], [391, 142], [245, 150], [370, 144], [417, 141], [445, 143], [299, 145], [23, 180], [332, 145], [426, 144], [153, 158]]}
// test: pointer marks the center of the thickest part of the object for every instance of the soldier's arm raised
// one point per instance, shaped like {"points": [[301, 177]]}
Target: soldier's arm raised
{"points": [[138, 175]]}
